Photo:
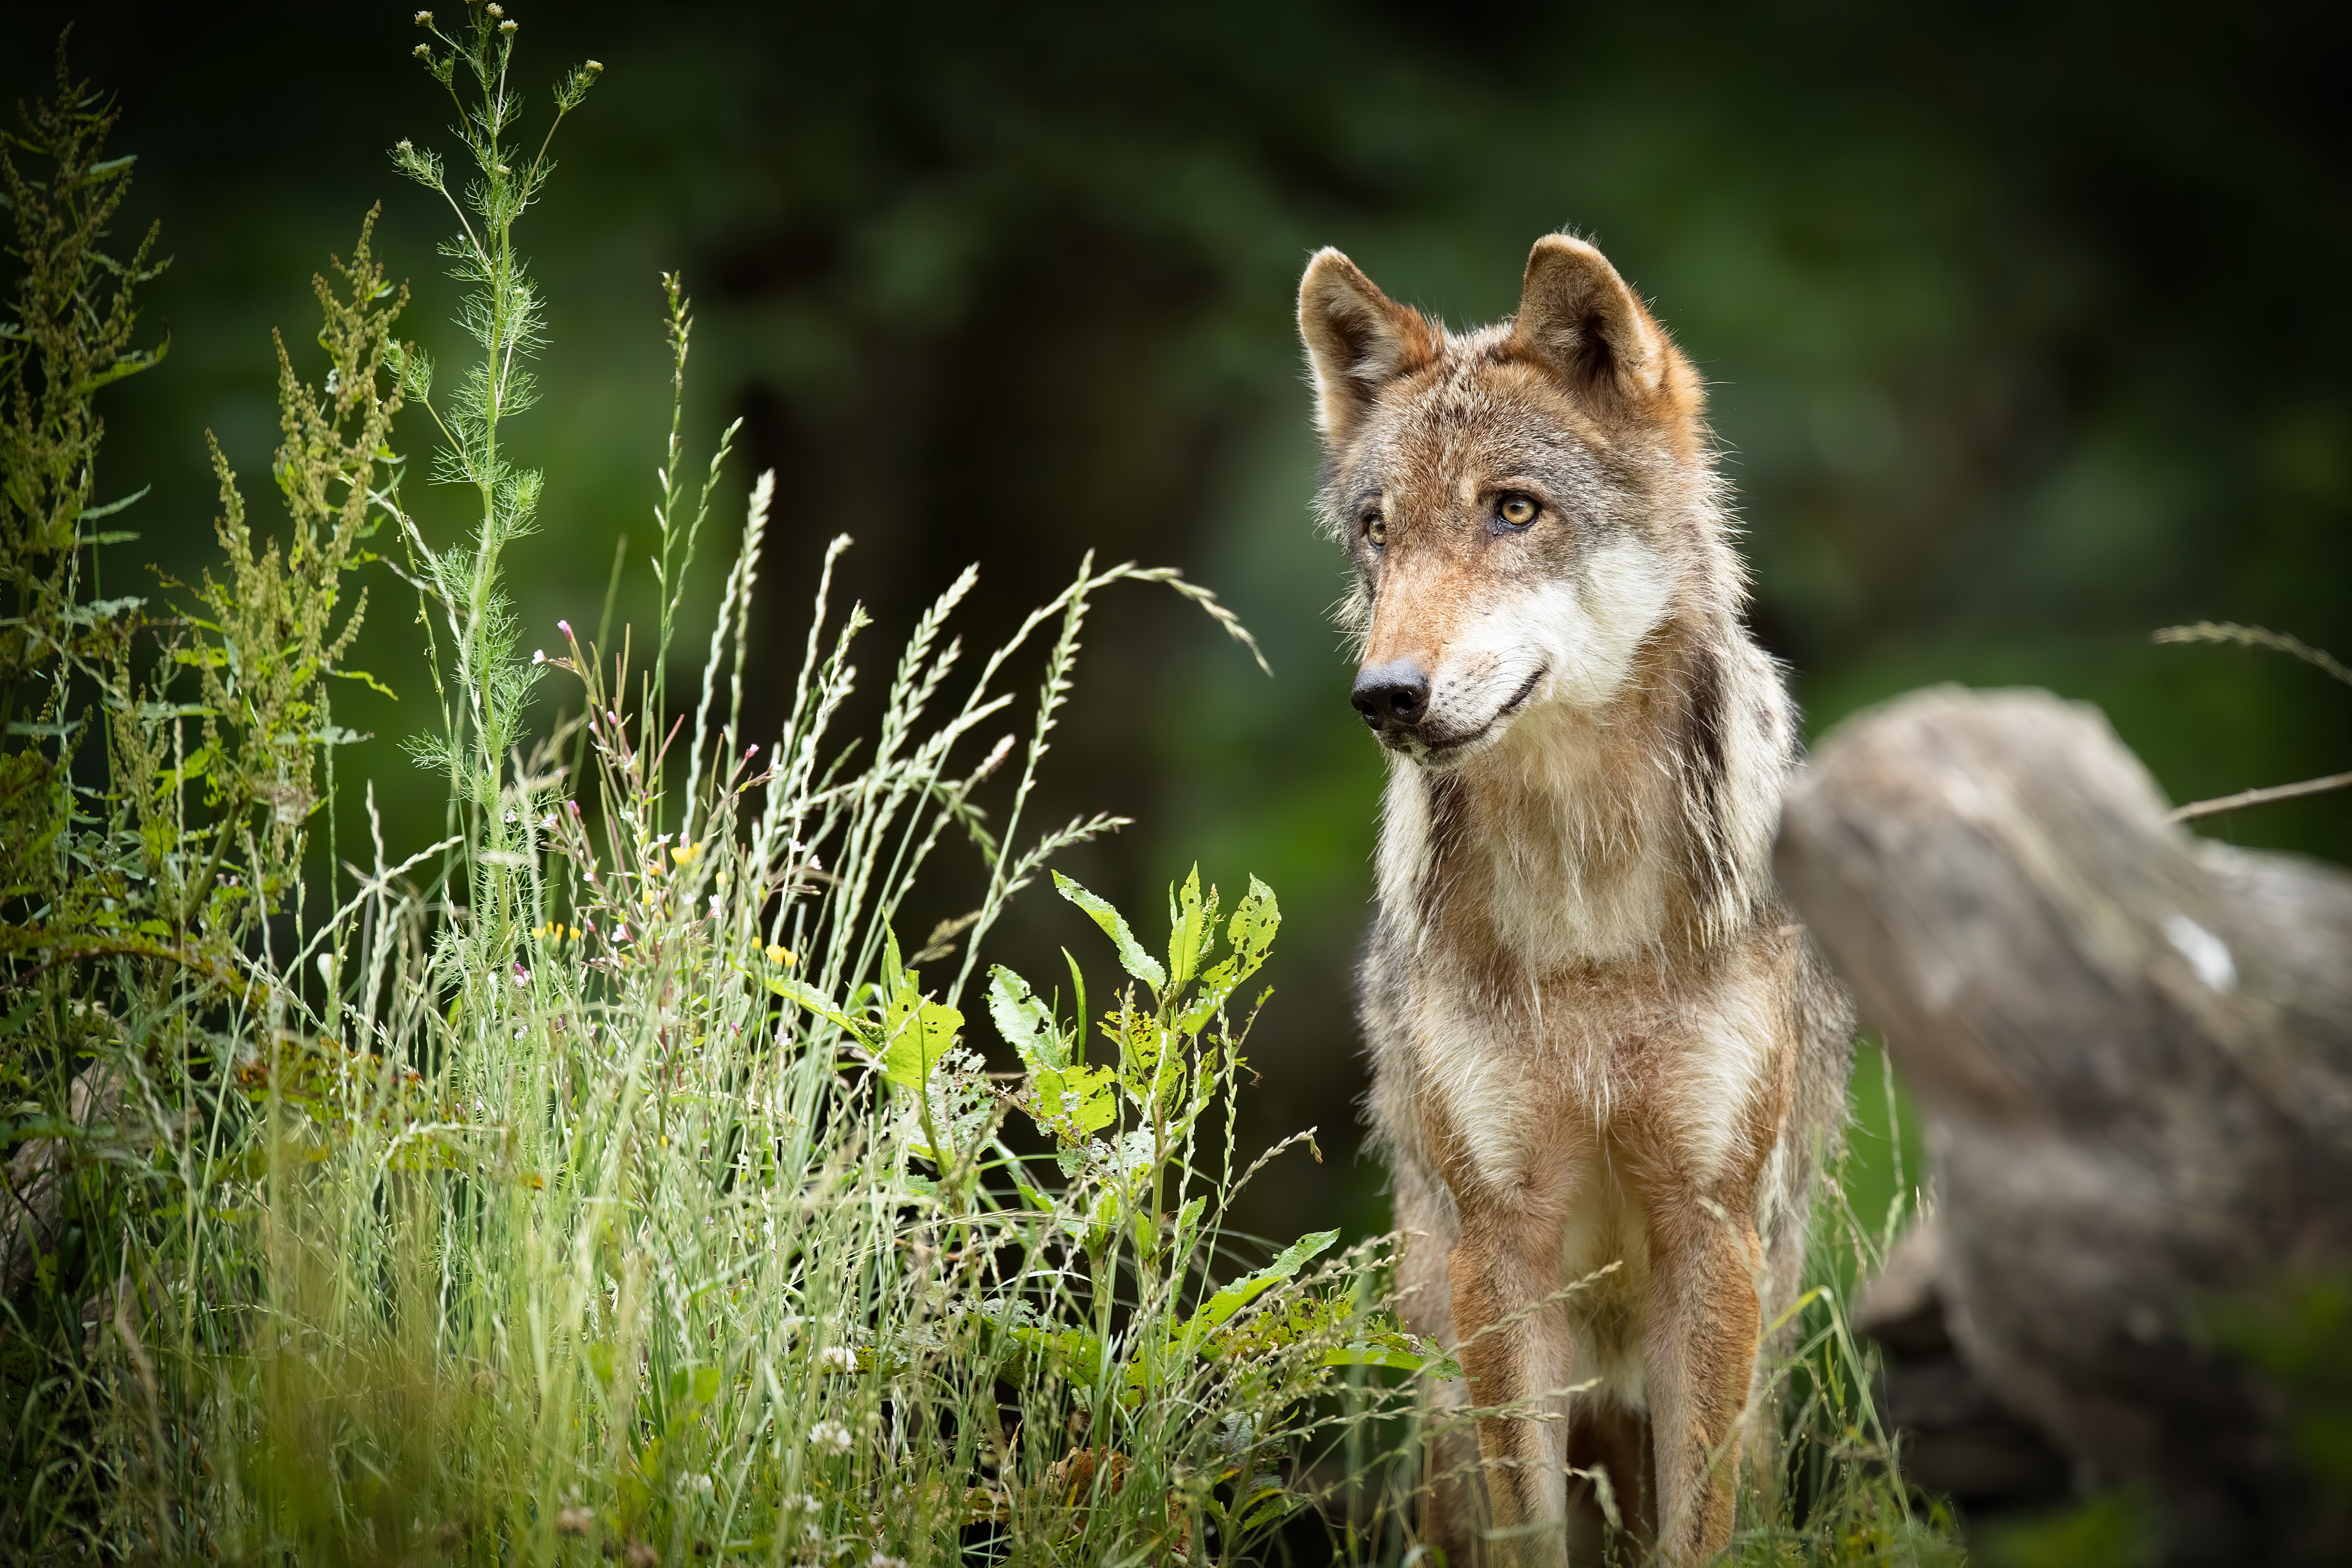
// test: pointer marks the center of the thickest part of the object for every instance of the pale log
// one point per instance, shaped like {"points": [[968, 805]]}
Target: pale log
{"points": [[2134, 1049]]}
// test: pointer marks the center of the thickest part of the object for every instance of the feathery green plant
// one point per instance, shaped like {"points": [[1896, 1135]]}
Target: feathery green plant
{"points": [[615, 1182]]}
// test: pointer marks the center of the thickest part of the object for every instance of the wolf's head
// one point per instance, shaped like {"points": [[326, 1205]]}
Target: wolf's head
{"points": [[1519, 502]]}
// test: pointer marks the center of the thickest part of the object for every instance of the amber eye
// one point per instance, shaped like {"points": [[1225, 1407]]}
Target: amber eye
{"points": [[1376, 530], [1516, 511]]}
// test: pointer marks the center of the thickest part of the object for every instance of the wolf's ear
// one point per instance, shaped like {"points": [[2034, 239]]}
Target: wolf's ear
{"points": [[1576, 315], [1357, 339]]}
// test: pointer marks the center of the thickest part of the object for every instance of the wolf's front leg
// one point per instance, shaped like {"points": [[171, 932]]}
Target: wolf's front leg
{"points": [[1506, 1261], [1699, 1352]]}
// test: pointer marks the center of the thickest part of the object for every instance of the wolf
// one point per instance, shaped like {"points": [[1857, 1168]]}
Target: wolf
{"points": [[1606, 1062]]}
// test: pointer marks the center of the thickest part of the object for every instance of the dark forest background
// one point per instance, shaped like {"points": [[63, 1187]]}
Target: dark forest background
{"points": [[2030, 331]]}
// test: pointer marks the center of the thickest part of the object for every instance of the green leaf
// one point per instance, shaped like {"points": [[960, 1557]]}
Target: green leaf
{"points": [[1080, 1354], [1025, 1022], [1252, 934], [1191, 930], [918, 1033], [1071, 1102], [1380, 1353], [1151, 1064], [1252, 929], [816, 1002], [1132, 956], [1268, 1501], [1077, 989], [1219, 1309]]}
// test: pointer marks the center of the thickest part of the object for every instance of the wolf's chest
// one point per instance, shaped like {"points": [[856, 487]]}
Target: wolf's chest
{"points": [[1512, 1085], [1512, 1081]]}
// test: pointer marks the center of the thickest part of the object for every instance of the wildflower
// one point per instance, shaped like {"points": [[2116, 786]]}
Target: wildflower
{"points": [[508, 27], [564, 626], [424, 18], [778, 953], [574, 1521], [539, 655], [837, 1358], [423, 51], [497, 10], [620, 933], [884, 1560], [522, 978], [830, 1435], [596, 66], [685, 853]]}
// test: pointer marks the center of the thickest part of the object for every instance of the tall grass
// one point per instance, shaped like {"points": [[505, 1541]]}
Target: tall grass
{"points": [[606, 1178]]}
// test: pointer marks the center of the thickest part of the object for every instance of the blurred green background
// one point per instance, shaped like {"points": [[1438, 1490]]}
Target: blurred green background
{"points": [[2028, 329]]}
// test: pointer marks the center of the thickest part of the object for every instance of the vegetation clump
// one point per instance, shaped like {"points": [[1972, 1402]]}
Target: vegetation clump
{"points": [[606, 1177]]}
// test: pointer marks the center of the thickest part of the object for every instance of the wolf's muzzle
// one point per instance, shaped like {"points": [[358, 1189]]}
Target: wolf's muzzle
{"points": [[1392, 696]]}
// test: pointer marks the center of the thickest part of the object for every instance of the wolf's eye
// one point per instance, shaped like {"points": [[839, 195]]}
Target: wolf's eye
{"points": [[1376, 530], [1516, 511]]}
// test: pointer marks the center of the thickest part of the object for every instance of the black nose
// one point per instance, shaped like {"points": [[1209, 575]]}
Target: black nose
{"points": [[1394, 693]]}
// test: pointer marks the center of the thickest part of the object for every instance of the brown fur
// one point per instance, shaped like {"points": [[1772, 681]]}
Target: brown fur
{"points": [[1596, 1037]]}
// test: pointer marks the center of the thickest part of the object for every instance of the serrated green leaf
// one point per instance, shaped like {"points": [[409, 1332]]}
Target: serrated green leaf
{"points": [[1191, 930], [1132, 956], [1251, 934]]}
